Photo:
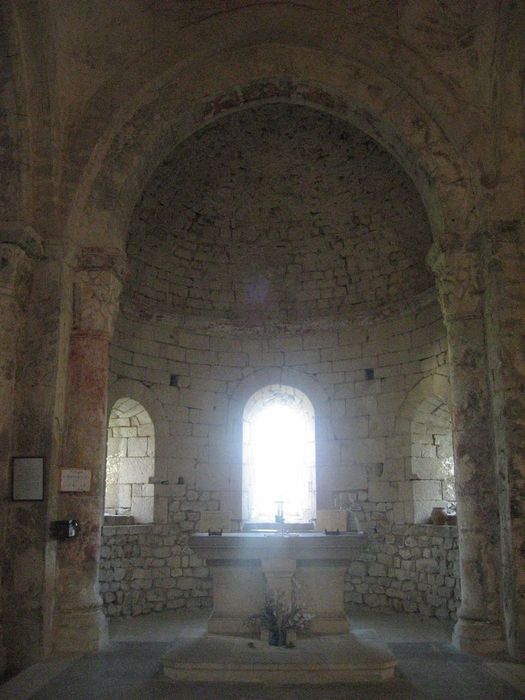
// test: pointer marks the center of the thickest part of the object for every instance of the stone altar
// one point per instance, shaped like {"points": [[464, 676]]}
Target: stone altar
{"points": [[244, 565]]}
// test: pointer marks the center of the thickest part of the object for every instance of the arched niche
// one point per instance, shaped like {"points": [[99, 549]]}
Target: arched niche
{"points": [[424, 424], [130, 461], [147, 398], [431, 467]]}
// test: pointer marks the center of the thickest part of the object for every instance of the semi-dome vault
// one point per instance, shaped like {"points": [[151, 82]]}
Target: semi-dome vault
{"points": [[278, 213]]}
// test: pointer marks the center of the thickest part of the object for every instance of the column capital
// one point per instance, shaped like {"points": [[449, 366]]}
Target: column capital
{"points": [[103, 259], [61, 249], [99, 276], [503, 245], [23, 236], [504, 232], [15, 269], [449, 261], [460, 281]]}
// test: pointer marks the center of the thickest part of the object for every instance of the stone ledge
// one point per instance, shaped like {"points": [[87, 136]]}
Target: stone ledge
{"points": [[424, 529], [127, 529]]}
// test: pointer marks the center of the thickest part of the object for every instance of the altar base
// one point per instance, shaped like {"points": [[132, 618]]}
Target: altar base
{"points": [[354, 657]]}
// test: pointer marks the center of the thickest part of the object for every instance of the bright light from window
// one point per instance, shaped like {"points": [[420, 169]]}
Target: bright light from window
{"points": [[279, 460]]}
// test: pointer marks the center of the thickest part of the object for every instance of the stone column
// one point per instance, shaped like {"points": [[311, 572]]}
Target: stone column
{"points": [[460, 284], [278, 574], [504, 257], [79, 622], [17, 244]]}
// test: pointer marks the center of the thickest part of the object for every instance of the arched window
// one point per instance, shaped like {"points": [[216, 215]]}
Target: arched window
{"points": [[130, 461], [278, 456]]}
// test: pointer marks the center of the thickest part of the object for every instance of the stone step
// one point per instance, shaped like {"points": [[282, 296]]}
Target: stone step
{"points": [[357, 656]]}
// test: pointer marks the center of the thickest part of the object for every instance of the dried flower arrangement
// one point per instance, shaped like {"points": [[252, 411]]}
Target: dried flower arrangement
{"points": [[280, 618]]}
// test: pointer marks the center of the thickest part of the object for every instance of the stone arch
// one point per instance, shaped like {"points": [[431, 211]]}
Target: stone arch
{"points": [[280, 376], [424, 434], [203, 89], [437, 385], [163, 115], [145, 396]]}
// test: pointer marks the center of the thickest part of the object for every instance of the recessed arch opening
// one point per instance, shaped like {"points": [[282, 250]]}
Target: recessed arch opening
{"points": [[432, 460], [130, 461]]}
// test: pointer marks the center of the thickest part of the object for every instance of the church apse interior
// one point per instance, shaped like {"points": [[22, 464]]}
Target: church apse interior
{"points": [[261, 271]]}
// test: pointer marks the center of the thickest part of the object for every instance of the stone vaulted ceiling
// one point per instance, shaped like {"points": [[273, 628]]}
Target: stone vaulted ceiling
{"points": [[278, 213]]}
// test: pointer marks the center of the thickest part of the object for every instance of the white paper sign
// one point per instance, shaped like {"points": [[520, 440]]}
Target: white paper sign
{"points": [[75, 480]]}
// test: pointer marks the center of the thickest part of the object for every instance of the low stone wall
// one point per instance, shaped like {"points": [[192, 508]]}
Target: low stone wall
{"points": [[411, 568], [149, 568]]}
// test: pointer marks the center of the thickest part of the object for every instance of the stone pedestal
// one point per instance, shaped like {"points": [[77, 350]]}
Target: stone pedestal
{"points": [[278, 574], [309, 567], [79, 623]]}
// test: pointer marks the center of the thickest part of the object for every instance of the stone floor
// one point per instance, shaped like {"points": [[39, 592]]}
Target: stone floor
{"points": [[429, 667]]}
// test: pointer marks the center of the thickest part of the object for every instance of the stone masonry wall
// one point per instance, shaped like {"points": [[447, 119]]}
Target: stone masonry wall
{"points": [[410, 568], [189, 382], [406, 568], [362, 441], [148, 568]]}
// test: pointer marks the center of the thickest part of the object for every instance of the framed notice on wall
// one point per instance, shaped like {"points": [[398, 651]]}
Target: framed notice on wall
{"points": [[28, 479]]}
